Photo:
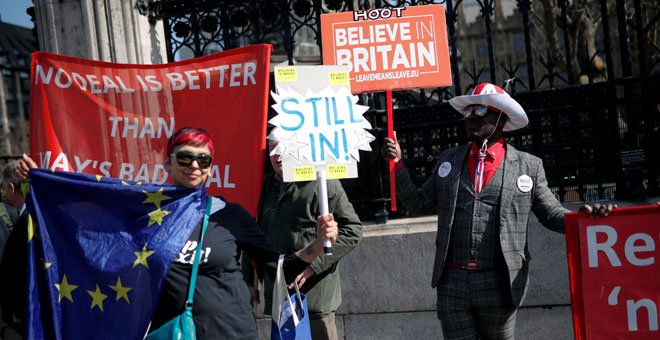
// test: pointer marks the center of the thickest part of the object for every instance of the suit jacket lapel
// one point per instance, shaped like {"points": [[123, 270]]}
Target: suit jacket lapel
{"points": [[510, 176], [457, 160]]}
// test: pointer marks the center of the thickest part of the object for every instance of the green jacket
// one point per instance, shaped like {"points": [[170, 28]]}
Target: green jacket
{"points": [[287, 215]]}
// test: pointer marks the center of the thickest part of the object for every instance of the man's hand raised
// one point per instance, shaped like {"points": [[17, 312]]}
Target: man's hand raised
{"points": [[391, 149], [598, 209]]}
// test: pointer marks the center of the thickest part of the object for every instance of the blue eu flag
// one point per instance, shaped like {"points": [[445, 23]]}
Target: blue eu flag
{"points": [[98, 251]]}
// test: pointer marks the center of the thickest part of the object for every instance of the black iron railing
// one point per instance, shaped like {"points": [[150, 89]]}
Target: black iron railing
{"points": [[587, 72]]}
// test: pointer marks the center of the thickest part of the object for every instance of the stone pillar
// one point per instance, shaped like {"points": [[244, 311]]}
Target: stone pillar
{"points": [[5, 132], [107, 30]]}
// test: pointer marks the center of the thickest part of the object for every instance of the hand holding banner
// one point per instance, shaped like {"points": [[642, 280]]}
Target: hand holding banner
{"points": [[322, 189], [320, 127], [389, 49]]}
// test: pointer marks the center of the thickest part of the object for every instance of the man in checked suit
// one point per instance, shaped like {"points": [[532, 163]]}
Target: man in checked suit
{"points": [[483, 193]]}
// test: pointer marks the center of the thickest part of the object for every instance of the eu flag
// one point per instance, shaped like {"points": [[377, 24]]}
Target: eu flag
{"points": [[98, 251]]}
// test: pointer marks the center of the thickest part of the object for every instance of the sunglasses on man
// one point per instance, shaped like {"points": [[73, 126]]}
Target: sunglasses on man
{"points": [[185, 158], [479, 110]]}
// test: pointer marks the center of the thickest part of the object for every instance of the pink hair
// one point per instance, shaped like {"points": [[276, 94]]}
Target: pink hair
{"points": [[189, 136]]}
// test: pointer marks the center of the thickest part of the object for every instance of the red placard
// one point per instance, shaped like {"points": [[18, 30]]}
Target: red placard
{"points": [[614, 273], [389, 48], [114, 119]]}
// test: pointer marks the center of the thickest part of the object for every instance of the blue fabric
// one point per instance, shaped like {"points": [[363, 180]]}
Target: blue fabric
{"points": [[182, 327], [288, 331], [113, 242]]}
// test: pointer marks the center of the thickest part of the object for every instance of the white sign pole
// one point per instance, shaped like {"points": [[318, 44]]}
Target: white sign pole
{"points": [[322, 189]]}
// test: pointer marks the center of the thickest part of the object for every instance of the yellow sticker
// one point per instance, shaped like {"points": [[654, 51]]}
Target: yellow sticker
{"points": [[337, 171], [286, 74], [338, 78], [304, 173]]}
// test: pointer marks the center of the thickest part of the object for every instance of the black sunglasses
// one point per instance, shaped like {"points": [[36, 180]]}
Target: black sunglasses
{"points": [[478, 110], [185, 158]]}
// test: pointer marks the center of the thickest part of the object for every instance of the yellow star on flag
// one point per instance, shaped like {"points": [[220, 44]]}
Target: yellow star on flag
{"points": [[31, 229], [46, 263], [97, 298], [122, 292], [141, 256], [156, 216], [65, 289], [125, 183], [98, 178], [155, 197]]}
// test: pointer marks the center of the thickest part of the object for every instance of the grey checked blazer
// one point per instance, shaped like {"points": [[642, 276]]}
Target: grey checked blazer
{"points": [[440, 193]]}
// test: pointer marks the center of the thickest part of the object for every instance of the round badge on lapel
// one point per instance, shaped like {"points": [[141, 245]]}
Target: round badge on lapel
{"points": [[444, 169], [525, 183]]}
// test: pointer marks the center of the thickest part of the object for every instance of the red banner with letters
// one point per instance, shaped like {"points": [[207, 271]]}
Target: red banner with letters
{"points": [[389, 48], [114, 119], [614, 270]]}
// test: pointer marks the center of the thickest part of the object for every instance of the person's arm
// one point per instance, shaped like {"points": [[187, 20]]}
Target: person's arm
{"points": [[326, 229], [416, 201], [250, 278], [24, 166], [252, 275], [545, 205], [349, 225], [550, 211], [253, 242]]}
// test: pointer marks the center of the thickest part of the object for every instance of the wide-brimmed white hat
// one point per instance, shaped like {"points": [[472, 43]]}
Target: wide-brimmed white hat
{"points": [[494, 96]]}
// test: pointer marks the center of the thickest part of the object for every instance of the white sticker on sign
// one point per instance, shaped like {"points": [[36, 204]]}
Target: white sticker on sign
{"points": [[444, 169], [525, 183]]}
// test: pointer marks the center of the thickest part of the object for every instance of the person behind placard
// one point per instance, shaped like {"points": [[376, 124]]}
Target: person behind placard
{"points": [[483, 193], [8, 212], [221, 308], [287, 215], [13, 266]]}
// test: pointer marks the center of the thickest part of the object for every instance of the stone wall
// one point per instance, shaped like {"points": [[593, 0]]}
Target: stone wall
{"points": [[387, 292], [107, 30]]}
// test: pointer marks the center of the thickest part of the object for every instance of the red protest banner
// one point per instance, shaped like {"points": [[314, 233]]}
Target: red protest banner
{"points": [[389, 48], [114, 119], [614, 274]]}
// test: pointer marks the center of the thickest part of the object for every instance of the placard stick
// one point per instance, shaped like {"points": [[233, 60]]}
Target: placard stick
{"points": [[390, 133], [322, 189], [256, 283]]}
